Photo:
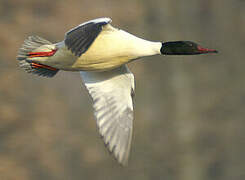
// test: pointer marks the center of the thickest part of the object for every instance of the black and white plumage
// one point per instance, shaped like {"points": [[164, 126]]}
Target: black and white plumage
{"points": [[81, 37], [100, 52]]}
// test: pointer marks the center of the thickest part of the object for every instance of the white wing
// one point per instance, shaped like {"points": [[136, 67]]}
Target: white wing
{"points": [[111, 93]]}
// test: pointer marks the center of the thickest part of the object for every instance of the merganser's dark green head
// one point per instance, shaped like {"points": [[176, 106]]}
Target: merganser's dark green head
{"points": [[184, 48]]}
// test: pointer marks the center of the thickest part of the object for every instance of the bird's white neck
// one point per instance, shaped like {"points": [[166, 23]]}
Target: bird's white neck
{"points": [[140, 47]]}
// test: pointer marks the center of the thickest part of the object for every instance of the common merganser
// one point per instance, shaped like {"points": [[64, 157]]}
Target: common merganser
{"points": [[100, 52]]}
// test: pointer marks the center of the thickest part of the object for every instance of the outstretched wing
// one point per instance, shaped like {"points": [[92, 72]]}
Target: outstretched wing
{"points": [[111, 93], [79, 39]]}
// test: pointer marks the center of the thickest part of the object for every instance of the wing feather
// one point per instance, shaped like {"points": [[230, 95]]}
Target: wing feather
{"points": [[79, 39], [113, 108]]}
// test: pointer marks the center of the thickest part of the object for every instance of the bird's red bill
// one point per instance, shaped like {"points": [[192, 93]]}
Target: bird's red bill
{"points": [[205, 50]]}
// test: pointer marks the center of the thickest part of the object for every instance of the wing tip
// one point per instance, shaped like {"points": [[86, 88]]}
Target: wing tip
{"points": [[113, 149]]}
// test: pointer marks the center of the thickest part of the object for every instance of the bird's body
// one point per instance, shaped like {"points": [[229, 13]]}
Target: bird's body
{"points": [[100, 51], [113, 44], [111, 48]]}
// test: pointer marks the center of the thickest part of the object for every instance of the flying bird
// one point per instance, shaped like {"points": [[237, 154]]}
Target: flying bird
{"points": [[100, 53]]}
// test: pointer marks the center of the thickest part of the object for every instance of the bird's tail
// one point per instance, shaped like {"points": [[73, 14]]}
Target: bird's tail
{"points": [[34, 50]]}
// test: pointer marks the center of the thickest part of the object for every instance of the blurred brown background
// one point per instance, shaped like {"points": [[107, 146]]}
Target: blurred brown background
{"points": [[189, 115]]}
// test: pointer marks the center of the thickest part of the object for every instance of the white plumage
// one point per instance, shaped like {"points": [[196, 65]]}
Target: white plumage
{"points": [[113, 107]]}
